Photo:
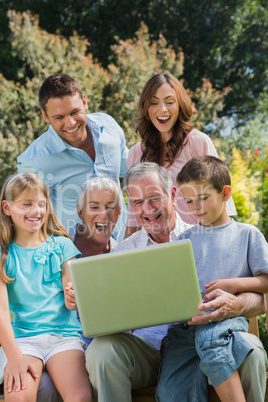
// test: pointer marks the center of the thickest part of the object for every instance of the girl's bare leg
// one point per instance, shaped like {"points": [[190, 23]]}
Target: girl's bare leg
{"points": [[29, 394], [231, 390], [68, 372]]}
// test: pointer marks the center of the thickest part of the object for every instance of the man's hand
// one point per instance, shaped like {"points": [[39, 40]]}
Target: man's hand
{"points": [[224, 305]]}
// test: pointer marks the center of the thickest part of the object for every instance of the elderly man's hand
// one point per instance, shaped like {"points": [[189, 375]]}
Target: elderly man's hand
{"points": [[224, 305]]}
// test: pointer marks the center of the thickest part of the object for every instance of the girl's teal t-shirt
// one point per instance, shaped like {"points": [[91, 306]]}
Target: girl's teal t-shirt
{"points": [[36, 296]]}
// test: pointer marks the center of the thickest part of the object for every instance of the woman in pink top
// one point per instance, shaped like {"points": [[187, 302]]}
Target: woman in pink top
{"points": [[167, 135]]}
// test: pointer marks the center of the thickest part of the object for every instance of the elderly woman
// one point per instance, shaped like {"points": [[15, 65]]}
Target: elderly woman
{"points": [[99, 208]]}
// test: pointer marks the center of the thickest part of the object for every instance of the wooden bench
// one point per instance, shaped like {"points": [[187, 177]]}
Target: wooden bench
{"points": [[148, 394]]}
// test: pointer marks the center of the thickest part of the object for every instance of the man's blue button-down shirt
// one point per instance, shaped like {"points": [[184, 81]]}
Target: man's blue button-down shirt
{"points": [[64, 168]]}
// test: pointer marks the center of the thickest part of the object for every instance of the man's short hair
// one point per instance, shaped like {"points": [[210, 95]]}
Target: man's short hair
{"points": [[58, 86], [205, 168], [141, 170]]}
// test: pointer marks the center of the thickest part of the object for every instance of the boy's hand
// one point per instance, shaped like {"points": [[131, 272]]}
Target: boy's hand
{"points": [[15, 374], [69, 297], [228, 285]]}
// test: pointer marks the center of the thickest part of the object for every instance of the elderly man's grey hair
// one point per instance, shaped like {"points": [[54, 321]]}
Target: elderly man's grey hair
{"points": [[99, 183], [144, 169]]}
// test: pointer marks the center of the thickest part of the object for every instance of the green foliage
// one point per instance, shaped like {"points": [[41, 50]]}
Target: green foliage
{"points": [[14, 133], [244, 189], [249, 172], [207, 103], [263, 331], [257, 163], [225, 42], [115, 90], [42, 54], [253, 135]]}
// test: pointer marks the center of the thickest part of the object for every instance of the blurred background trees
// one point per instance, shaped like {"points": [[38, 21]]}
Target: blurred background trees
{"points": [[217, 49]]}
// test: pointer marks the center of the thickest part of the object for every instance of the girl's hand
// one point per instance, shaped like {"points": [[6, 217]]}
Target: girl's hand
{"points": [[228, 285], [69, 297], [16, 372]]}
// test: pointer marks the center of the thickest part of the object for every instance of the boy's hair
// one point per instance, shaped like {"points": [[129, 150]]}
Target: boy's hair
{"points": [[58, 86], [139, 171], [205, 168], [99, 183], [13, 187]]}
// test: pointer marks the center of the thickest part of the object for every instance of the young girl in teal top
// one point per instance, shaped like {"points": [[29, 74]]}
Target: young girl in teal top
{"points": [[35, 285]]}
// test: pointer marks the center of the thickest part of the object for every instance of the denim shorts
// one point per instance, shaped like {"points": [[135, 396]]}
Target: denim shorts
{"points": [[221, 348]]}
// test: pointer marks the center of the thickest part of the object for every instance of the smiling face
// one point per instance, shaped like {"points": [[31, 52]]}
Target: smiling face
{"points": [[207, 204], [68, 118], [28, 212], [154, 209], [164, 110], [100, 212]]}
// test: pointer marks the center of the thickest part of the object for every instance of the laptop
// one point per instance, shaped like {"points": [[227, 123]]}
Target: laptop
{"points": [[133, 289]]}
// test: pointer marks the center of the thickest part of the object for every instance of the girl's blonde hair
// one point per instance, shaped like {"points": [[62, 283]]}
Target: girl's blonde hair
{"points": [[13, 187]]}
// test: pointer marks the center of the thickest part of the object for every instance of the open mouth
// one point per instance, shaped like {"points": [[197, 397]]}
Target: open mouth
{"points": [[33, 219], [72, 131], [163, 120], [153, 218], [102, 227]]}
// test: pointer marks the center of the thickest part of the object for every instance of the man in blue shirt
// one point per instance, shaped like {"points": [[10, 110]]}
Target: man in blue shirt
{"points": [[75, 148]]}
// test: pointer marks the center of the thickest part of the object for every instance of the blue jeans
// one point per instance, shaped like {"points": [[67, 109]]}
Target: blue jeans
{"points": [[180, 354], [194, 352]]}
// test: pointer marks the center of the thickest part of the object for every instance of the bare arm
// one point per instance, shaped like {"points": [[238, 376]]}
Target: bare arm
{"points": [[258, 284], [17, 365], [225, 305], [68, 291]]}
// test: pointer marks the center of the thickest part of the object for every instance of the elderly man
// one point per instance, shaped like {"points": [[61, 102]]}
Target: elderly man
{"points": [[121, 362], [76, 147]]}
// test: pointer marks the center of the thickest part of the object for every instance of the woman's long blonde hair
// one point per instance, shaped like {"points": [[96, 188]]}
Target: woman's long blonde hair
{"points": [[13, 187]]}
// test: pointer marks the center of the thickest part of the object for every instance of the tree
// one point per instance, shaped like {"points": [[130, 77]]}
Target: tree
{"points": [[41, 54], [115, 90], [136, 60], [257, 163], [244, 189], [8, 142], [225, 42], [252, 136]]}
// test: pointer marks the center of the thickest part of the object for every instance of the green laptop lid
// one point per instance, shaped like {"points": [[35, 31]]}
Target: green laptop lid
{"points": [[134, 289]]}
